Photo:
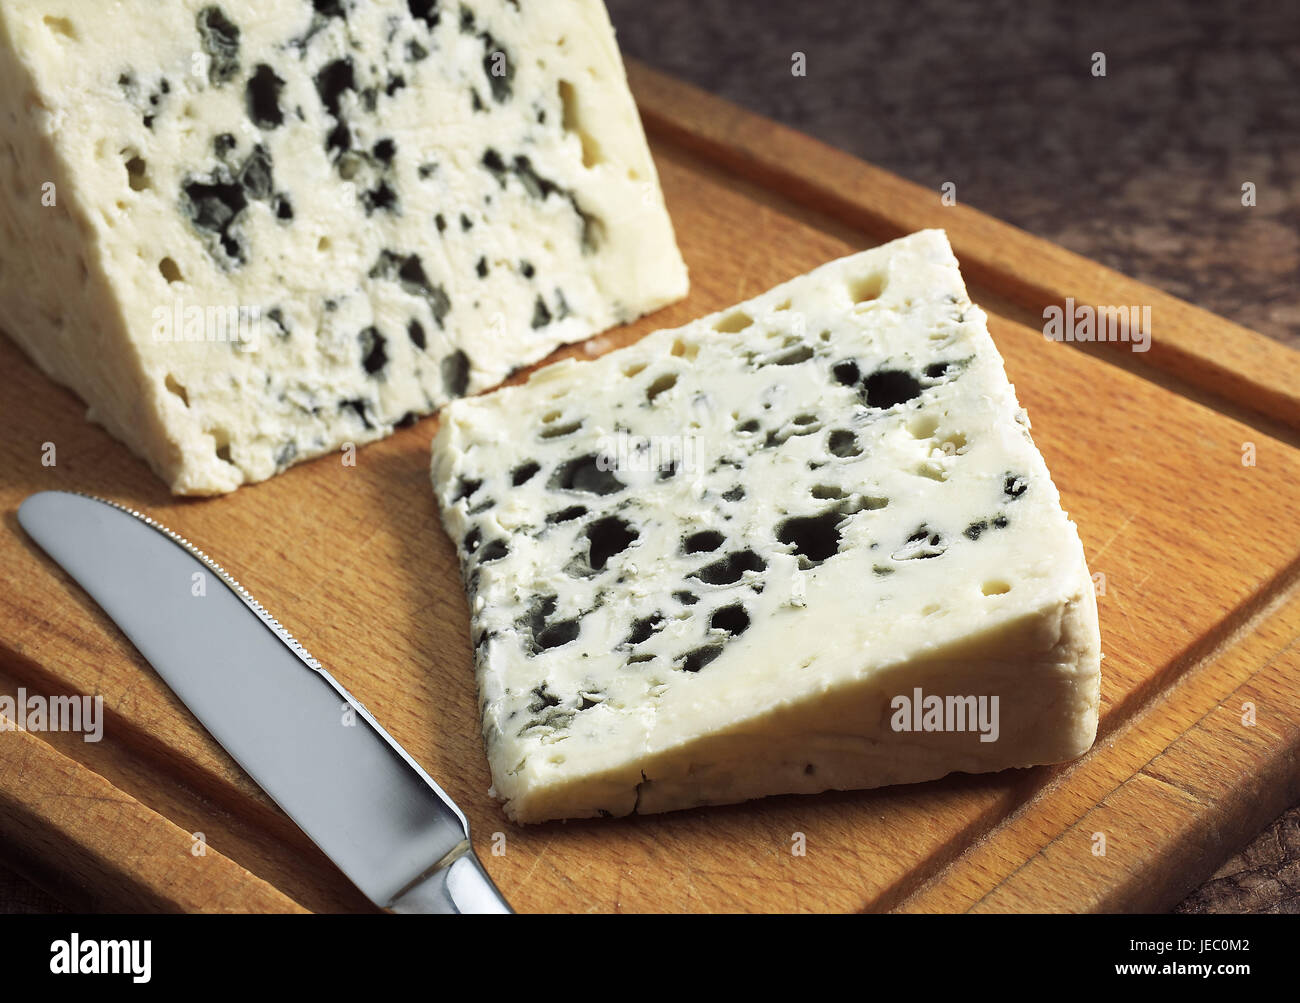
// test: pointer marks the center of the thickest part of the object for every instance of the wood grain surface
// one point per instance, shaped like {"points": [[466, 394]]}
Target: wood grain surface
{"points": [[1200, 614]]}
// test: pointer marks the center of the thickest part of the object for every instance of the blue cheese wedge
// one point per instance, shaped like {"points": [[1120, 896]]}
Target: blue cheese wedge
{"points": [[263, 230], [803, 544]]}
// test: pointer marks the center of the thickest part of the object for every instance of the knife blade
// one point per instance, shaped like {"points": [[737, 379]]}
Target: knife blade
{"points": [[287, 722]]}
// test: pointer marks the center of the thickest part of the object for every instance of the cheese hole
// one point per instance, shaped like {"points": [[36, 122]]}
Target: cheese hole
{"points": [[137, 174], [814, 538], [665, 382], [931, 609], [524, 472], [933, 471], [170, 270], [923, 426], [221, 440], [555, 431], [733, 322], [61, 26], [886, 388], [733, 619], [633, 369], [700, 657], [323, 244], [868, 288], [558, 634], [843, 443], [176, 388], [783, 305], [730, 569], [792, 356], [643, 628], [827, 491], [587, 474], [846, 373], [952, 444], [686, 350], [263, 98], [608, 537], [591, 152], [996, 588], [704, 542], [455, 370], [566, 514]]}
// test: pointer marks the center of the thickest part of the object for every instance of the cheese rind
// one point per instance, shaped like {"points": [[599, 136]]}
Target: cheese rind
{"points": [[263, 230], [719, 563]]}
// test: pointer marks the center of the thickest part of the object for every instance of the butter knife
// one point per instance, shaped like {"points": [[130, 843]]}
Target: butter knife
{"points": [[301, 736]]}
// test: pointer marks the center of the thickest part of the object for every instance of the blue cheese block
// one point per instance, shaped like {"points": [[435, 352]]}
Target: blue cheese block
{"points": [[262, 230], [803, 544]]}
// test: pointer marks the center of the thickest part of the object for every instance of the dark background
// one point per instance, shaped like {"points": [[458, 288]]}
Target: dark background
{"points": [[1141, 169]]}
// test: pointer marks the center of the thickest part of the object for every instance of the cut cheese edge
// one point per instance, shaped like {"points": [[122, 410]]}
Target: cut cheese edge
{"points": [[743, 557], [262, 231]]}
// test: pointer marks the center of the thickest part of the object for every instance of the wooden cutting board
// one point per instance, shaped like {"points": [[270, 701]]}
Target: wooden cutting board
{"points": [[1199, 554]]}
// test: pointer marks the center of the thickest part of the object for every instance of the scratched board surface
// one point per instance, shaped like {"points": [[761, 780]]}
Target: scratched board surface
{"points": [[1196, 552]]}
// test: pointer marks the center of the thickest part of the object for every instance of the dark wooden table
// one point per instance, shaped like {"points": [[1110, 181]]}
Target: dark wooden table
{"points": [[1141, 169]]}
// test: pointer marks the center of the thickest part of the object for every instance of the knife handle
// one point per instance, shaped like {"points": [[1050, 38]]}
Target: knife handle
{"points": [[460, 885]]}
